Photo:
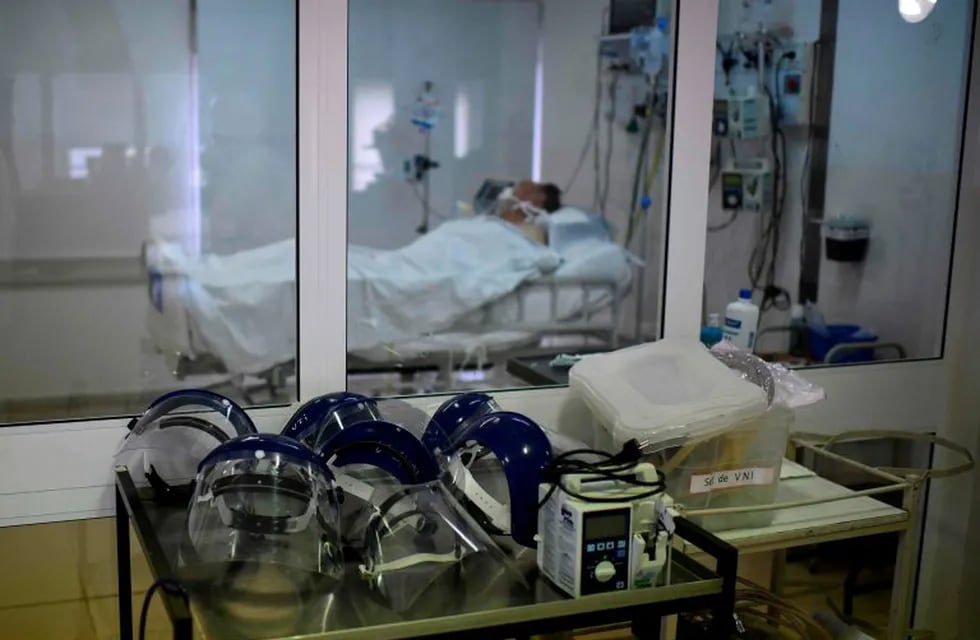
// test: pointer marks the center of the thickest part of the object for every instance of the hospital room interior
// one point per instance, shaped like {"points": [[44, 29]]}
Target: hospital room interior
{"points": [[516, 202]]}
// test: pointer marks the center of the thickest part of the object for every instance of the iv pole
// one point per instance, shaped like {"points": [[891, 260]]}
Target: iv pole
{"points": [[426, 179], [425, 115]]}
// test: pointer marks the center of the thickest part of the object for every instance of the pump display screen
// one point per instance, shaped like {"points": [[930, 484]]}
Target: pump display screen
{"points": [[608, 526]]}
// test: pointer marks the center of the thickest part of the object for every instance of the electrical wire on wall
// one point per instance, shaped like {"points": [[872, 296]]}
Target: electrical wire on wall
{"points": [[639, 181], [765, 255], [610, 137], [591, 141], [721, 226]]}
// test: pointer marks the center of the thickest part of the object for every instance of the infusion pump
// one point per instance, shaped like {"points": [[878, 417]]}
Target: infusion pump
{"points": [[619, 544], [746, 185], [742, 114]]}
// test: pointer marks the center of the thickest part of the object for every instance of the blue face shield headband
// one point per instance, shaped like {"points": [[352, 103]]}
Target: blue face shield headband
{"points": [[523, 451]]}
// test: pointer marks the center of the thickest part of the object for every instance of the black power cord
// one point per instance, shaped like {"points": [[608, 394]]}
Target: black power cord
{"points": [[764, 257], [608, 466], [170, 586]]}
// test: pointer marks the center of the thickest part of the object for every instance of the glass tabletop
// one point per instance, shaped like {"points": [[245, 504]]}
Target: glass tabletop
{"points": [[259, 601]]}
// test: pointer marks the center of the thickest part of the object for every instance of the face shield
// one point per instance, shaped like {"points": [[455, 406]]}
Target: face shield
{"points": [[264, 500], [323, 417], [455, 416], [424, 556], [494, 470], [165, 445], [372, 454]]}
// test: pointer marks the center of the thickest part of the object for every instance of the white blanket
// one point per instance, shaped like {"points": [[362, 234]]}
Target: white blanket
{"points": [[243, 307], [428, 285]]}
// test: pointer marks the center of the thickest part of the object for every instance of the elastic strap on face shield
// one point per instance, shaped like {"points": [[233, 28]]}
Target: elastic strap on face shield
{"points": [[485, 509], [262, 524], [382, 523], [379, 526], [168, 494]]}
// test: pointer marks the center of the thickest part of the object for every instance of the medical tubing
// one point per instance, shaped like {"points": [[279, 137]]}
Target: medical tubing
{"points": [[638, 174], [753, 602], [610, 135], [611, 467], [169, 585]]}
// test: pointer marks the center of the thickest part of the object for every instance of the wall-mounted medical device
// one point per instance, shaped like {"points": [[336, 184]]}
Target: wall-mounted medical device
{"points": [[742, 114], [620, 543], [792, 76], [746, 184]]}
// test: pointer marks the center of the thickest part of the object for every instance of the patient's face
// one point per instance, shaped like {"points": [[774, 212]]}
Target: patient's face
{"points": [[526, 191]]}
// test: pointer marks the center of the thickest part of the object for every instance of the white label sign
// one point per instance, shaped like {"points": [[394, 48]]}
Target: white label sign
{"points": [[732, 478]]}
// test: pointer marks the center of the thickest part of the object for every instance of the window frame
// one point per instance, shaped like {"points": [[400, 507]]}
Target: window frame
{"points": [[45, 456]]}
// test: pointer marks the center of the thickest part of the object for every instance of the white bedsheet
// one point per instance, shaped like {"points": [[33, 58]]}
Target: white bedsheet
{"points": [[242, 307], [428, 285]]}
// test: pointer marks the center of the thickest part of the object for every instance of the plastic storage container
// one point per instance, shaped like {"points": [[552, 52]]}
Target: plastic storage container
{"points": [[738, 468]]}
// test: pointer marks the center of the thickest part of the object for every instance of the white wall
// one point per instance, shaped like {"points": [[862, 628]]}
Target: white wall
{"points": [[571, 40], [900, 171], [481, 57], [894, 138]]}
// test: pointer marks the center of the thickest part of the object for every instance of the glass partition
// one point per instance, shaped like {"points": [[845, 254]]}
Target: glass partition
{"points": [[834, 176], [147, 203], [506, 187]]}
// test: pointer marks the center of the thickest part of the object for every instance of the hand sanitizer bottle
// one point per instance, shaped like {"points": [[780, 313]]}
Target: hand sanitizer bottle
{"points": [[742, 321]]}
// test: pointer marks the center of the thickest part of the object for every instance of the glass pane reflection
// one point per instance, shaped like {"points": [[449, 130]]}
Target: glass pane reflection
{"points": [[499, 153], [147, 203], [836, 155]]}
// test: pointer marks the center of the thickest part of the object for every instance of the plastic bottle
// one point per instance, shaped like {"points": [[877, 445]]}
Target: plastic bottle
{"points": [[649, 47], [711, 333], [742, 321]]}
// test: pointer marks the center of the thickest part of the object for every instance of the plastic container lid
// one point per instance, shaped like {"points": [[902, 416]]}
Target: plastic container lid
{"points": [[745, 294], [664, 393]]}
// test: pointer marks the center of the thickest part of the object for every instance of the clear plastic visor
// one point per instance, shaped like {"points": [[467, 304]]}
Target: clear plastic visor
{"points": [[423, 552], [172, 443], [272, 509]]}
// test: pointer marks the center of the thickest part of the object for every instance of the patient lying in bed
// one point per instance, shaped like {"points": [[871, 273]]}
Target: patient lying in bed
{"points": [[242, 306]]}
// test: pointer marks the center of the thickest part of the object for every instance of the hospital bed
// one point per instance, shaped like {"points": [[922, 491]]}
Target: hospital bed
{"points": [[196, 344], [236, 314]]}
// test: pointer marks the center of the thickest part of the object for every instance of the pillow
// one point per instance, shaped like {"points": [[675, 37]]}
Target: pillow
{"points": [[570, 226]]}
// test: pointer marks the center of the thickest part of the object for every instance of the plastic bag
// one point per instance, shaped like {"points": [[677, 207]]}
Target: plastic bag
{"points": [[784, 387]]}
